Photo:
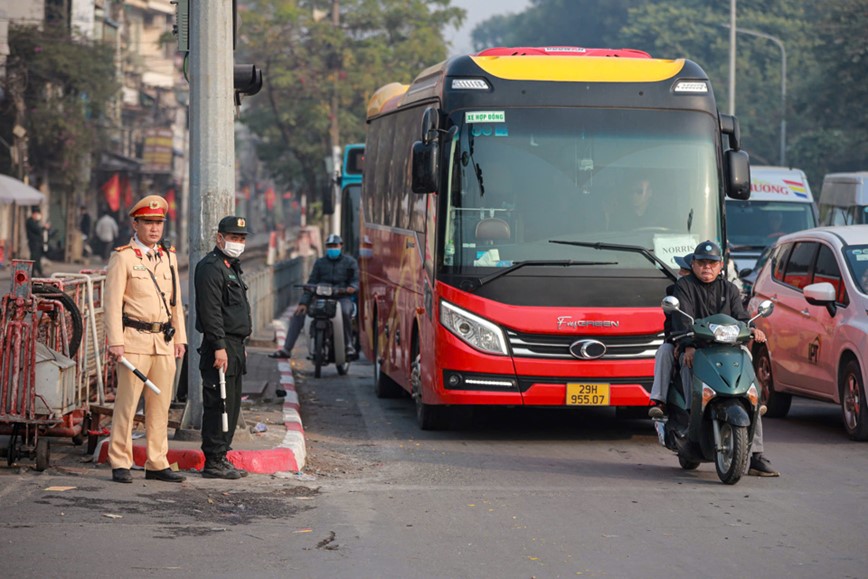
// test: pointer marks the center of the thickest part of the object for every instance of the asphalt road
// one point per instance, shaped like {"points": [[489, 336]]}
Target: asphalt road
{"points": [[508, 493]]}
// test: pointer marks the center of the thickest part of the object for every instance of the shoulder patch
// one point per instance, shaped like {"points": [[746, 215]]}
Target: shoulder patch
{"points": [[172, 249], [122, 247]]}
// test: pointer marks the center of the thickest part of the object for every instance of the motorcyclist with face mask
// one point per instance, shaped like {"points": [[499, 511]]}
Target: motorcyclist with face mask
{"points": [[339, 270], [223, 317]]}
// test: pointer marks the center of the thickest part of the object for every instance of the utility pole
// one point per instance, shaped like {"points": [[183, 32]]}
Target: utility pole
{"points": [[732, 31], [334, 129], [212, 160]]}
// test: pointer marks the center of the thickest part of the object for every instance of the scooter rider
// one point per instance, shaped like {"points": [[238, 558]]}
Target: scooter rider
{"points": [[664, 360], [701, 294], [339, 270]]}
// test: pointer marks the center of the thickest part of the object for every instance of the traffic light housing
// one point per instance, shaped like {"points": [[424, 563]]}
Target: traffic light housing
{"points": [[247, 80]]}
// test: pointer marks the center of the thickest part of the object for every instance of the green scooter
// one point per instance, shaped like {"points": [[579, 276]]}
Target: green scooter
{"points": [[715, 421]]}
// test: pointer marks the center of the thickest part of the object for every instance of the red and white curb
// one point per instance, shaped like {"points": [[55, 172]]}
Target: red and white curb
{"points": [[294, 438]]}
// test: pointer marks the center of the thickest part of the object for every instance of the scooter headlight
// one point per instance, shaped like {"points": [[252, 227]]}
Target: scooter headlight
{"points": [[473, 330], [726, 334]]}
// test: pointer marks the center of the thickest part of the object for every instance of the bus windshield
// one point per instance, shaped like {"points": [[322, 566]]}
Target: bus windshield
{"points": [[519, 178]]}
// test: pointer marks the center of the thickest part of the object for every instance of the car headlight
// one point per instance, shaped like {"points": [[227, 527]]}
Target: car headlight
{"points": [[473, 330], [727, 334]]}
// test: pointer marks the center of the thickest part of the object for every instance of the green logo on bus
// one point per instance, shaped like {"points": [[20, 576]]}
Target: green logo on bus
{"points": [[485, 117]]}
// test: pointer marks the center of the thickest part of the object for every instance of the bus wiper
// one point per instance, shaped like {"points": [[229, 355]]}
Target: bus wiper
{"points": [[626, 248], [539, 262]]}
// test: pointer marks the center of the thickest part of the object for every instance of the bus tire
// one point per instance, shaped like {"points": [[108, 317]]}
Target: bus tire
{"points": [[428, 416], [384, 387]]}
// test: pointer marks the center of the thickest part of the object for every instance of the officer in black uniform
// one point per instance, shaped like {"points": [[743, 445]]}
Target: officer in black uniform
{"points": [[223, 316]]}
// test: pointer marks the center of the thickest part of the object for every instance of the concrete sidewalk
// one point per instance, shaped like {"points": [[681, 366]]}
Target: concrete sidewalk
{"points": [[272, 437]]}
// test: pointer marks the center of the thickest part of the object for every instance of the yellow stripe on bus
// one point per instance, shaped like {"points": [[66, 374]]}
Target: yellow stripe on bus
{"points": [[579, 68]]}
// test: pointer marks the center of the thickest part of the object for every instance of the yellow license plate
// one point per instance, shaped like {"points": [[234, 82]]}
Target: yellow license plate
{"points": [[580, 394]]}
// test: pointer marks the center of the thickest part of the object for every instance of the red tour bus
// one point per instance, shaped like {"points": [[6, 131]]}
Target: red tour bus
{"points": [[523, 208]]}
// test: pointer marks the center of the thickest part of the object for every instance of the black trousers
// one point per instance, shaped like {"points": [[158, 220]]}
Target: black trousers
{"points": [[215, 442]]}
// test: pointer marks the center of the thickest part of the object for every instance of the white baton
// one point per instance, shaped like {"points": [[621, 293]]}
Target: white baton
{"points": [[223, 398], [139, 375]]}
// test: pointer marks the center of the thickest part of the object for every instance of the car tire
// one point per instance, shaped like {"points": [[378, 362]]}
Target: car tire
{"points": [[778, 403], [852, 390]]}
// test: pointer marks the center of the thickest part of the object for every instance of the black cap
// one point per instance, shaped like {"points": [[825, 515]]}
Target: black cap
{"points": [[684, 262], [334, 239], [233, 224], [708, 250]]}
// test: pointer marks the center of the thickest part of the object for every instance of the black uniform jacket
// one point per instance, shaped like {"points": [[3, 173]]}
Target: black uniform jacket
{"points": [[221, 300], [700, 300], [341, 272]]}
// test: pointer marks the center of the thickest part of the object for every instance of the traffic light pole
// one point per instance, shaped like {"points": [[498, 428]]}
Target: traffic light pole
{"points": [[212, 162]]}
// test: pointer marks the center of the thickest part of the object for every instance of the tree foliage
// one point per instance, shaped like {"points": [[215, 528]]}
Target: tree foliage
{"points": [[827, 62], [67, 84], [306, 59]]}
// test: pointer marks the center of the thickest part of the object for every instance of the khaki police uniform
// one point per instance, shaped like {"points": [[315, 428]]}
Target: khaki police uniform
{"points": [[131, 293]]}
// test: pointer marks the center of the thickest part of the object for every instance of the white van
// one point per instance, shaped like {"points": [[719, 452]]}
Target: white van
{"points": [[780, 202], [844, 199]]}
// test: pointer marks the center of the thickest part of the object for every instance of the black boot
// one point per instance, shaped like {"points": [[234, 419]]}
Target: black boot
{"points": [[217, 468], [227, 464]]}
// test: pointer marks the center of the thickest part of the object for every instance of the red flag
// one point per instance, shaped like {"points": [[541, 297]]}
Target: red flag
{"points": [[269, 198], [127, 191], [173, 206], [112, 191]]}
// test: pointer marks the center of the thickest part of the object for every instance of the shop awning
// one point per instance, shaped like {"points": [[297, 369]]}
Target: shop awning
{"points": [[14, 191]]}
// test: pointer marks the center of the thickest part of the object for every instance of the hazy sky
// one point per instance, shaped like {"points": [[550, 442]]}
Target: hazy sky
{"points": [[477, 11]]}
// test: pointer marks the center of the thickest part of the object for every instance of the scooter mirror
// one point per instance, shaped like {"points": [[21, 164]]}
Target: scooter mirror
{"points": [[766, 308], [669, 304]]}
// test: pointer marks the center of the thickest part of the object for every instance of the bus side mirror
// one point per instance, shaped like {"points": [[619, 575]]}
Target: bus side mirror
{"points": [[737, 167], [425, 166], [430, 124]]}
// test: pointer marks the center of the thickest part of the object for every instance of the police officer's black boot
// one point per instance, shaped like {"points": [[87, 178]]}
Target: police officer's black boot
{"points": [[216, 467], [227, 464]]}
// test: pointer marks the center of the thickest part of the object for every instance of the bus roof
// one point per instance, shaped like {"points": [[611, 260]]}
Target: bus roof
{"points": [[608, 75], [779, 184]]}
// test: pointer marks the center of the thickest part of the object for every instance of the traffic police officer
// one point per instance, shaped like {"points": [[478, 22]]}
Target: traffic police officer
{"points": [[144, 319], [223, 317]]}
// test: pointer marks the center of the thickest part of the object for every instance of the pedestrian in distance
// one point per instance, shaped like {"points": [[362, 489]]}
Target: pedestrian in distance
{"points": [[337, 269], [223, 318], [36, 239], [85, 224], [144, 320], [106, 230]]}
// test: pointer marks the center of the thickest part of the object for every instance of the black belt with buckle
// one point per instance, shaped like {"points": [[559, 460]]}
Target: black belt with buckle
{"points": [[152, 327]]}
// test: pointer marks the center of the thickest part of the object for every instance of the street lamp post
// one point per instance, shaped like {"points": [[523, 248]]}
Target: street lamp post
{"points": [[780, 44]]}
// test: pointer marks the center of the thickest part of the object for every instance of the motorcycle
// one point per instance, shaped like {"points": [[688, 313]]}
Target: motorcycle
{"points": [[327, 328], [715, 421]]}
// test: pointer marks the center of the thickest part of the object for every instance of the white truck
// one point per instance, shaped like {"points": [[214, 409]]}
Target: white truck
{"points": [[844, 199], [780, 202]]}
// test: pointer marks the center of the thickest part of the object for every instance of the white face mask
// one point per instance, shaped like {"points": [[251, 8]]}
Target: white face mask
{"points": [[233, 248]]}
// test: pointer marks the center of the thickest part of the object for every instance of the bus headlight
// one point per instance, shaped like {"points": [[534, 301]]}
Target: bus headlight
{"points": [[476, 332]]}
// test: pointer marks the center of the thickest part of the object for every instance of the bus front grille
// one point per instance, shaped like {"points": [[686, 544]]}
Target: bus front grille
{"points": [[558, 346]]}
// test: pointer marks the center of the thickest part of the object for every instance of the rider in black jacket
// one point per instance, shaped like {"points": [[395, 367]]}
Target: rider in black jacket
{"points": [[337, 269], [703, 293]]}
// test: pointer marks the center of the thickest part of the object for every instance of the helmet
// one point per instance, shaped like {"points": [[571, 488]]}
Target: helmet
{"points": [[334, 239]]}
